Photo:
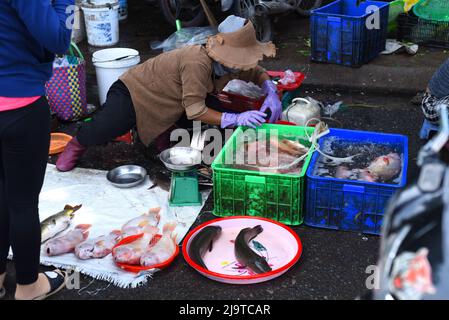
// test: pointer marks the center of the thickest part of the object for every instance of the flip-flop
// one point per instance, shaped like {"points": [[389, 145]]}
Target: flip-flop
{"points": [[57, 280], [2, 293]]}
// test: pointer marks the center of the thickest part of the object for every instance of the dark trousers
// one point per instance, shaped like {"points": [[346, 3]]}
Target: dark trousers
{"points": [[117, 117], [24, 144]]}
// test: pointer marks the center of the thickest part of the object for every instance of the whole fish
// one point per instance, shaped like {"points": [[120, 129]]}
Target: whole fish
{"points": [[383, 168], [344, 172], [386, 167], [135, 226], [202, 242], [99, 247], [245, 255], [163, 250], [295, 148], [132, 252], [58, 223], [68, 242]]}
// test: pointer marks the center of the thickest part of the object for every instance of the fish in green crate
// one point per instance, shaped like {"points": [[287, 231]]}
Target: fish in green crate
{"points": [[245, 256], [202, 243], [271, 155], [57, 223]]}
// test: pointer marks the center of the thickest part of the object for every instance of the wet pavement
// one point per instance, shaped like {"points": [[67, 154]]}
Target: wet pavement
{"points": [[333, 264]]}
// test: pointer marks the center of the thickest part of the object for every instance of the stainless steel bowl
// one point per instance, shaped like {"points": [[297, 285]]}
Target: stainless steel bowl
{"points": [[126, 176], [181, 158]]}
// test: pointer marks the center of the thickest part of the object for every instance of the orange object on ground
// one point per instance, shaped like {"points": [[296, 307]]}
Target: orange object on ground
{"points": [[58, 142]]}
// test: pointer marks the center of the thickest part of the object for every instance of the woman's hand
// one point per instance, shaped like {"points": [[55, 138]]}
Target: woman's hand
{"points": [[272, 102]]}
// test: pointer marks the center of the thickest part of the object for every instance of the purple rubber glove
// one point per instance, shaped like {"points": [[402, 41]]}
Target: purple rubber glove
{"points": [[272, 101], [249, 118]]}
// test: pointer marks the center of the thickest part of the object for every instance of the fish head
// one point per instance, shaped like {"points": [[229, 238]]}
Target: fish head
{"points": [[149, 259], [386, 167], [52, 248], [122, 254], [216, 231]]}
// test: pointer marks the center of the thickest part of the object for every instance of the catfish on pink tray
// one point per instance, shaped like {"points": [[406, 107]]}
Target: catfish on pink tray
{"points": [[68, 242], [98, 247]]}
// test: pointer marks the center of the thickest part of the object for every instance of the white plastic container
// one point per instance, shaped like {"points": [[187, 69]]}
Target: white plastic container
{"points": [[301, 111], [102, 23], [110, 64], [79, 26], [123, 11]]}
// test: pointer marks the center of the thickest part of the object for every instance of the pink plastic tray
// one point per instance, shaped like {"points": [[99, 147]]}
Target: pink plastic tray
{"points": [[278, 243]]}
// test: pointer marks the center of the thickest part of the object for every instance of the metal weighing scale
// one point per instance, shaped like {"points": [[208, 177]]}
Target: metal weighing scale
{"points": [[184, 187]]}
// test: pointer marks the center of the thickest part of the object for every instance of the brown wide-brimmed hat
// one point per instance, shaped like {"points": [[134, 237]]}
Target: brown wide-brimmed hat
{"points": [[239, 49]]}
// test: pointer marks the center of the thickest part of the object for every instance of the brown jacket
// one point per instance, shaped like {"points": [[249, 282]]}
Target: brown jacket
{"points": [[164, 87]]}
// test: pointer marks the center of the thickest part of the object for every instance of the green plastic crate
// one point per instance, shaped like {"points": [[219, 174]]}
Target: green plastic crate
{"points": [[270, 195]]}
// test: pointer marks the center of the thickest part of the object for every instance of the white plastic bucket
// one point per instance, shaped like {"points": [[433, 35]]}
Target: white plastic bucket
{"points": [[123, 11], [79, 26], [102, 25], [109, 69]]}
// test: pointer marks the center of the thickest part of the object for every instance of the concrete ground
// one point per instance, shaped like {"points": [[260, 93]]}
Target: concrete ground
{"points": [[333, 263]]}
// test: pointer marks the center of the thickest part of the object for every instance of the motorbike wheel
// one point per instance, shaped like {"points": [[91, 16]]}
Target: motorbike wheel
{"points": [[306, 6], [262, 24], [191, 13]]}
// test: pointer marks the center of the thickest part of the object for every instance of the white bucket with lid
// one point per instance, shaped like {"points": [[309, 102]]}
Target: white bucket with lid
{"points": [[110, 64], [123, 10], [102, 25]]}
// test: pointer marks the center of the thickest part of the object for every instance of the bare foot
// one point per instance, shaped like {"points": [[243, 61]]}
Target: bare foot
{"points": [[35, 290]]}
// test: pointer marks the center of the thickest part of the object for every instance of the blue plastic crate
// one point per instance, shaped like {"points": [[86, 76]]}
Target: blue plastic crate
{"points": [[348, 204], [339, 32]]}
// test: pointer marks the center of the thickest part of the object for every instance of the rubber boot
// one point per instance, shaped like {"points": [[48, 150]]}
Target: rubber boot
{"points": [[69, 157]]}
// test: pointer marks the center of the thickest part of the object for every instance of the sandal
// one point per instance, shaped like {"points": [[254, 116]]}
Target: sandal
{"points": [[57, 280], [2, 293]]}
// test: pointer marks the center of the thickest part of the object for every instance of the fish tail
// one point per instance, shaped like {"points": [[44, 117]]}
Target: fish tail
{"points": [[169, 227], [83, 227], [116, 232], [71, 209], [156, 212]]}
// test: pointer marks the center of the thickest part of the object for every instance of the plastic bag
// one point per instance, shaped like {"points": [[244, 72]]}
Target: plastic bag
{"points": [[61, 62], [243, 88], [185, 37], [288, 78]]}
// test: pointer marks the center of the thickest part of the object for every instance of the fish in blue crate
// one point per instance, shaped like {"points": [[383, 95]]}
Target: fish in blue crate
{"points": [[366, 162]]}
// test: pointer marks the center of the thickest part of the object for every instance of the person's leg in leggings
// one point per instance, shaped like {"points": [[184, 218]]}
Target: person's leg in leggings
{"points": [[4, 227], [24, 148], [116, 118]]}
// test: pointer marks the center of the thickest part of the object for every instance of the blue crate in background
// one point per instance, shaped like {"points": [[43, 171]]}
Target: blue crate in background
{"points": [[339, 32], [348, 204]]}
